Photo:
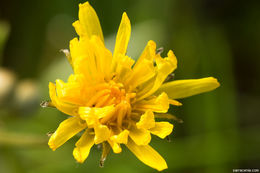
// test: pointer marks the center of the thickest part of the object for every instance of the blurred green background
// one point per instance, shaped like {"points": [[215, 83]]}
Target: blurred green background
{"points": [[209, 37]]}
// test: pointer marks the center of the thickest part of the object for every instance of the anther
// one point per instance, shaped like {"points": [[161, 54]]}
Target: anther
{"points": [[159, 50], [67, 54], [101, 163], [111, 101], [49, 134], [94, 99], [45, 104], [113, 76], [169, 77], [168, 138], [102, 101]]}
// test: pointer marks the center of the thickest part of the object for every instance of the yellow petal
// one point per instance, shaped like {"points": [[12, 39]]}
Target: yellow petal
{"points": [[97, 112], [70, 92], [149, 54], [144, 68], [158, 104], [83, 59], [74, 49], [121, 138], [103, 56], [66, 130], [140, 136], [83, 146], [165, 66], [141, 74], [185, 88], [123, 68], [102, 133], [122, 38], [162, 129], [66, 108], [84, 62], [146, 121], [88, 24], [147, 155], [76, 78], [79, 28], [115, 146], [87, 114], [116, 140], [92, 114]]}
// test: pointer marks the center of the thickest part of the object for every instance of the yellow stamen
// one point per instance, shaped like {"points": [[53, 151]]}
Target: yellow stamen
{"points": [[101, 102], [94, 99], [122, 110]]}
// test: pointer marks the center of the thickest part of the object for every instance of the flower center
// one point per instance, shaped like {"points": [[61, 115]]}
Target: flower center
{"points": [[112, 93]]}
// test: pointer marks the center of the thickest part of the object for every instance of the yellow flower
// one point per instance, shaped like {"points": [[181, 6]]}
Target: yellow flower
{"points": [[114, 100]]}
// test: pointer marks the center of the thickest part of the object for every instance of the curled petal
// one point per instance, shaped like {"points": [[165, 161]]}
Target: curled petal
{"points": [[102, 133], [66, 108], [115, 146], [162, 129], [116, 140], [121, 137], [140, 136], [146, 121]]}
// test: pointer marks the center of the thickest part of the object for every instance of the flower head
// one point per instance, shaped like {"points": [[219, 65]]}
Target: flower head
{"points": [[113, 99]]}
